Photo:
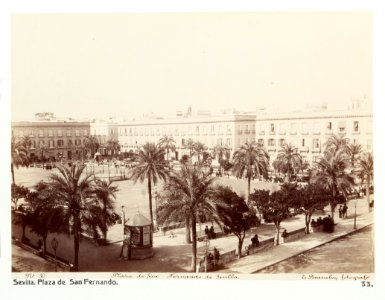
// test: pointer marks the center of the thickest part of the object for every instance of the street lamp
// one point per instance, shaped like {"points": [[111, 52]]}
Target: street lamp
{"points": [[55, 244], [123, 218], [207, 244]]}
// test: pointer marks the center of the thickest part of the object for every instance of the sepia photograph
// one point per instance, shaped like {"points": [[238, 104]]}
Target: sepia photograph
{"points": [[191, 145]]}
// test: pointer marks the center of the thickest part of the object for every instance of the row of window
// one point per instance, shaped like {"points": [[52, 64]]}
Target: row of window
{"points": [[315, 127], [59, 143], [180, 130], [315, 143], [52, 133]]}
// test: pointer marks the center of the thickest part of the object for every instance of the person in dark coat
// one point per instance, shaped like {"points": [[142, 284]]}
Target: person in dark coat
{"points": [[255, 240]]}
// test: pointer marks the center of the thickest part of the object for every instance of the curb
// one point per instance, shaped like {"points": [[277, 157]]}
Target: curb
{"points": [[304, 251]]}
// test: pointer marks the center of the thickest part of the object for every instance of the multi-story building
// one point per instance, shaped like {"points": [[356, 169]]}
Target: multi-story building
{"points": [[308, 131], [231, 130], [59, 139]]}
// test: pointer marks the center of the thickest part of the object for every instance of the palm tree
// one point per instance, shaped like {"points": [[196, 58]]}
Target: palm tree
{"points": [[336, 142], [288, 160], [42, 150], [187, 197], [198, 150], [71, 191], [190, 144], [113, 146], [222, 153], [331, 174], [151, 165], [168, 144], [251, 159], [19, 155], [92, 144], [106, 194], [366, 172], [354, 150]]}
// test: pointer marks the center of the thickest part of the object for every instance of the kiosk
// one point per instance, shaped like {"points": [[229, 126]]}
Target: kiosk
{"points": [[139, 229]]}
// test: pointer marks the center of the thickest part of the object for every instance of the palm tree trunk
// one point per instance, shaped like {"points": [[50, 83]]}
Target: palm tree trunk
{"points": [[76, 241], [44, 243], [150, 200], [194, 244], [105, 220], [13, 174], [248, 188], [332, 206], [188, 238], [368, 192]]}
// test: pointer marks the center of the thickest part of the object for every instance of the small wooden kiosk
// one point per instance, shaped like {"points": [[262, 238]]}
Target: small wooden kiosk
{"points": [[139, 228]]}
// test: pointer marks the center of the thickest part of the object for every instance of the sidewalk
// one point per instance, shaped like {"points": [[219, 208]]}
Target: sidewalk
{"points": [[256, 262]]}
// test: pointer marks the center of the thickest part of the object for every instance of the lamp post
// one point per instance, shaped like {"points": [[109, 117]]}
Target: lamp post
{"points": [[123, 218], [55, 244], [207, 244]]}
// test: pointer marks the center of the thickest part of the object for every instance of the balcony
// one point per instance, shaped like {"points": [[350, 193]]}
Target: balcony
{"points": [[282, 132], [316, 150], [261, 132], [272, 132], [293, 132], [304, 149], [247, 131], [240, 131]]}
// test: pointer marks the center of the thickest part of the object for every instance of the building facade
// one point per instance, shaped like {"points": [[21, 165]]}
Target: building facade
{"points": [[231, 130], [53, 139], [308, 131]]}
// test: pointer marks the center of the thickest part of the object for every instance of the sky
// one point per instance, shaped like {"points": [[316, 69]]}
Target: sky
{"points": [[122, 65]]}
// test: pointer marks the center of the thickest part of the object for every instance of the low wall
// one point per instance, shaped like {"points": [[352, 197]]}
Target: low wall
{"points": [[263, 245], [294, 235], [223, 259], [64, 265]]}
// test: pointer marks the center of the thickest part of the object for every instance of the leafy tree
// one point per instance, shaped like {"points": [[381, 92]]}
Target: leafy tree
{"points": [[277, 206], [73, 193], [288, 160], [106, 194], [168, 144], [366, 172], [152, 166], [222, 153], [92, 144], [332, 175], [113, 146], [186, 196], [259, 196], [43, 218], [18, 192], [19, 155], [310, 198], [234, 214], [250, 160]]}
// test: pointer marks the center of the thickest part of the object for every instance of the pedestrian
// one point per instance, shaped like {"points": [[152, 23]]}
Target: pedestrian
{"points": [[216, 256], [255, 241], [207, 231], [345, 211], [212, 232], [340, 212]]}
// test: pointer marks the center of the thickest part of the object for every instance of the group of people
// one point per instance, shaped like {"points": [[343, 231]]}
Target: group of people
{"points": [[343, 211], [325, 223], [210, 233]]}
